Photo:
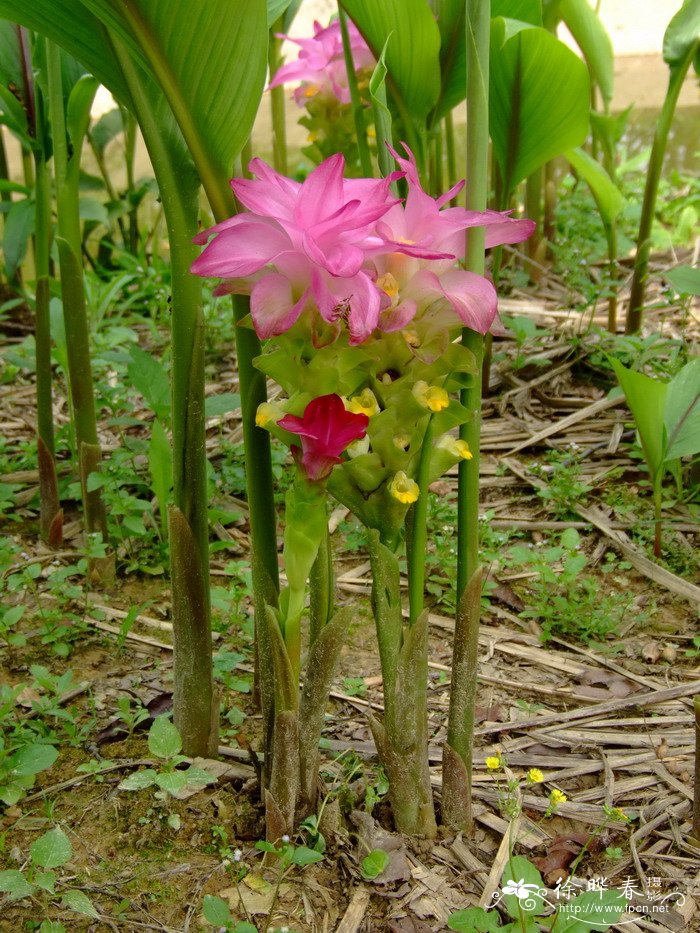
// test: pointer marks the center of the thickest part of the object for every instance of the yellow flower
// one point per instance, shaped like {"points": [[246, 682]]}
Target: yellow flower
{"points": [[493, 762], [404, 488], [389, 285], [313, 136], [268, 413], [434, 398], [456, 446], [556, 797], [311, 90], [535, 776], [617, 814], [364, 404], [410, 335], [402, 441]]}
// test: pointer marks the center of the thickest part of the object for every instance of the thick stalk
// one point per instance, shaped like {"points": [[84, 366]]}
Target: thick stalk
{"points": [[51, 515], [277, 103], [611, 237], [656, 161], [419, 530], [358, 110], [401, 736], [194, 702], [457, 805], [74, 307]]}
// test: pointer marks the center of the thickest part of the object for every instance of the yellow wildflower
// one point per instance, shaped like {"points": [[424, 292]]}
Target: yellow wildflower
{"points": [[535, 776], [403, 488], [456, 446], [364, 404], [493, 762], [617, 814], [556, 797], [434, 398]]}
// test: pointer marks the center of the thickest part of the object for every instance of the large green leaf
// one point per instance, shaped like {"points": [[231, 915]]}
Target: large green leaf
{"points": [[75, 29], [413, 52], [453, 48], [592, 38], [539, 100], [682, 413], [682, 32], [209, 58], [607, 195], [646, 398]]}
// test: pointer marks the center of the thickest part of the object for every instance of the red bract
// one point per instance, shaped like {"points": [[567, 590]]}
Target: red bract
{"points": [[325, 430]]}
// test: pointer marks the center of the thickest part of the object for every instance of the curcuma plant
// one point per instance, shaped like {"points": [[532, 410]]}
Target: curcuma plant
{"points": [[359, 298]]}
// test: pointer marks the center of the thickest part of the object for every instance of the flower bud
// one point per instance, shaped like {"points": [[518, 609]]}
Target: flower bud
{"points": [[269, 413], [456, 446], [364, 404], [358, 448]]}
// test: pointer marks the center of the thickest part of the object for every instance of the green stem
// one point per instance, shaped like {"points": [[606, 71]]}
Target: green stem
{"points": [[358, 110], [321, 584], [419, 529], [451, 153], [194, 712], [658, 502], [656, 160], [73, 294], [533, 210], [130, 138], [611, 237], [277, 103], [478, 20]]}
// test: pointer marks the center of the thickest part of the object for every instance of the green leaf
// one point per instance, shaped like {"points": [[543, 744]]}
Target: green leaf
{"points": [[374, 864], [52, 849], [302, 855], [216, 910], [685, 279], [73, 27], [606, 194], [453, 49], [163, 738], [13, 103], [382, 114], [46, 880], [172, 781], [681, 33], [32, 759], [198, 777], [107, 128], [592, 910], [592, 38], [149, 377], [52, 926], [646, 398], [15, 885], [474, 920], [539, 100], [78, 110], [19, 226], [210, 60], [412, 57], [80, 903], [682, 412], [519, 870], [222, 404], [275, 9], [139, 780]]}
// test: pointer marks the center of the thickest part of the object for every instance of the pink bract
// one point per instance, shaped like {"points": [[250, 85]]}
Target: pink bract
{"points": [[320, 65], [325, 430]]}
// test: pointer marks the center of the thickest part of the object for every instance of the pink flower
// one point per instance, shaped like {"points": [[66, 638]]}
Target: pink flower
{"points": [[427, 240], [302, 245], [326, 429], [320, 65]]}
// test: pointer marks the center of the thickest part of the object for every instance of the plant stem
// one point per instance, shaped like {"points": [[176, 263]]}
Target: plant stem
{"points": [[277, 102], [321, 584], [51, 516], [358, 110], [194, 712], [451, 153], [74, 308], [656, 160], [456, 802], [419, 529]]}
